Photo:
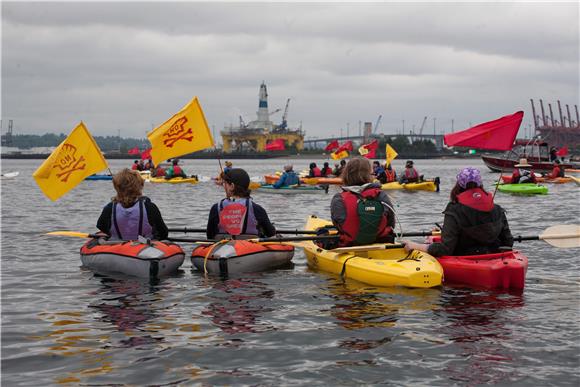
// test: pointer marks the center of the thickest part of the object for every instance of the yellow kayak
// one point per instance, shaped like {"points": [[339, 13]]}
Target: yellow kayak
{"points": [[381, 267], [175, 180], [432, 186]]}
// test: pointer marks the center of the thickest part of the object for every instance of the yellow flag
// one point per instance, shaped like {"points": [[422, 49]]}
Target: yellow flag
{"points": [[77, 157], [184, 133], [339, 155], [391, 154]]}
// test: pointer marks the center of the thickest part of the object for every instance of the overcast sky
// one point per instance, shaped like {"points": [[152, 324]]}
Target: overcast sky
{"points": [[130, 66]]}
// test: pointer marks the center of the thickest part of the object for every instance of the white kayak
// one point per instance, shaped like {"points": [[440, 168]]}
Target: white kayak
{"points": [[9, 175]]}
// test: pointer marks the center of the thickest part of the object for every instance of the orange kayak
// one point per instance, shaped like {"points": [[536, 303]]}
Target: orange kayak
{"points": [[240, 256], [147, 260], [542, 179]]}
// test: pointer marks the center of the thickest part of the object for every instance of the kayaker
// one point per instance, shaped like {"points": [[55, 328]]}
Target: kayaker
{"points": [[140, 166], [362, 212], [135, 166], [553, 153], [473, 224], [338, 168], [390, 174], [326, 170], [229, 166], [558, 170], [289, 177], [237, 216], [174, 170], [314, 171], [410, 174], [130, 214], [523, 173], [158, 172], [379, 172]]}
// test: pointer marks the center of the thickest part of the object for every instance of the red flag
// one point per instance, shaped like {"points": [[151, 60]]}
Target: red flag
{"points": [[146, 154], [276, 145], [563, 151], [134, 151], [369, 150], [347, 146], [493, 135], [332, 146]]}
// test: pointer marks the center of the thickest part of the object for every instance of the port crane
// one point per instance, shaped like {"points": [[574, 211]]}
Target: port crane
{"points": [[284, 123], [377, 123], [422, 126]]}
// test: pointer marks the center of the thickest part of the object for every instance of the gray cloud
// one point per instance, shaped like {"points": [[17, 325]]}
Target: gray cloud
{"points": [[129, 66]]}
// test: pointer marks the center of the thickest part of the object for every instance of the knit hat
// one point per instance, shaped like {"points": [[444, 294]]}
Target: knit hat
{"points": [[288, 167], [469, 175], [228, 164], [238, 177]]}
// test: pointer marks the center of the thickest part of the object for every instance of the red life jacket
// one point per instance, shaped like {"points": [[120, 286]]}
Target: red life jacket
{"points": [[477, 199], [391, 175], [350, 230], [177, 171], [557, 172], [134, 167], [326, 171], [316, 172], [411, 174]]}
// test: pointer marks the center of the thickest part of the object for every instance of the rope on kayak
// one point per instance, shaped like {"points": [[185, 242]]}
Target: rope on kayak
{"points": [[210, 251], [344, 266]]}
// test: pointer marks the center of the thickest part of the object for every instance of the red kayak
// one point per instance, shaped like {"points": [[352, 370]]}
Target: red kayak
{"points": [[506, 270]]}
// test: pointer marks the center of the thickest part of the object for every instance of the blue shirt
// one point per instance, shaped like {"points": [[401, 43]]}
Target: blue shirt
{"points": [[287, 178]]}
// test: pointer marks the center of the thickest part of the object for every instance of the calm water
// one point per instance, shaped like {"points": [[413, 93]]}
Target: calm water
{"points": [[61, 324]]}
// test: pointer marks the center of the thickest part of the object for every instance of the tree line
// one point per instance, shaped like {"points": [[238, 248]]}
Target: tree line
{"points": [[107, 143]]}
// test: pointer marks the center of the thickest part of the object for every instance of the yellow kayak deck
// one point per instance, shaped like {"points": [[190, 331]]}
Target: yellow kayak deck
{"points": [[385, 267], [175, 180], [422, 186]]}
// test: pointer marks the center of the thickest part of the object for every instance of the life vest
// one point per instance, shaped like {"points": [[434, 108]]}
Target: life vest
{"points": [[177, 171], [315, 172], [134, 167], [326, 171], [411, 174], [477, 199], [521, 176], [391, 175], [129, 223], [557, 172], [366, 219], [237, 217]]}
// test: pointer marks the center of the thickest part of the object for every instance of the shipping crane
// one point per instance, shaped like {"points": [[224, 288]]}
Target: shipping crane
{"points": [[422, 126], [284, 123], [377, 123]]}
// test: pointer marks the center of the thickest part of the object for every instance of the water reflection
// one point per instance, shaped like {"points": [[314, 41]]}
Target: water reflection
{"points": [[238, 305], [128, 304], [480, 324], [359, 306]]}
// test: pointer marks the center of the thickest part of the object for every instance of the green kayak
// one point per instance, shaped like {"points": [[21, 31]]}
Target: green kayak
{"points": [[525, 188]]}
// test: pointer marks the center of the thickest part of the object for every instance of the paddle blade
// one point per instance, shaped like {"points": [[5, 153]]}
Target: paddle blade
{"points": [[69, 234], [564, 236]]}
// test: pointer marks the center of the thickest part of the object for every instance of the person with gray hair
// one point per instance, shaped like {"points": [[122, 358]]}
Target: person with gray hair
{"points": [[289, 177]]}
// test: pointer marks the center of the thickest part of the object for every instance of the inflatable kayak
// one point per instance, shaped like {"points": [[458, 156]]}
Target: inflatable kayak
{"points": [[506, 270], [147, 260], [99, 177], [175, 180], [385, 267], [524, 189], [240, 256], [293, 189], [543, 179], [432, 186]]}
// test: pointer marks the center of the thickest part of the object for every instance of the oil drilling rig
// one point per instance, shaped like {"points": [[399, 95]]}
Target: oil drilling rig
{"points": [[254, 135]]}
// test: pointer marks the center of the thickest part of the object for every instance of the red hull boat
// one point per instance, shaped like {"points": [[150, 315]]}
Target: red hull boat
{"points": [[537, 154]]}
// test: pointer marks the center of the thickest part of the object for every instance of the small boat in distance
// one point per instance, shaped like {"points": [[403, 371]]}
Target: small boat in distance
{"points": [[536, 152], [9, 175]]}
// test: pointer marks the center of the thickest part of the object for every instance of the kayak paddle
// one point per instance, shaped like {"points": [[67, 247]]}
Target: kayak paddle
{"points": [[562, 236], [74, 234]]}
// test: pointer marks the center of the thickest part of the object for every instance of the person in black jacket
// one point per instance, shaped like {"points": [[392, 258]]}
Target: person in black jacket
{"points": [[473, 224], [237, 216]]}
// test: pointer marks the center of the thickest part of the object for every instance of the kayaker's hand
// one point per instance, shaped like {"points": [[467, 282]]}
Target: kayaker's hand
{"points": [[410, 246]]}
